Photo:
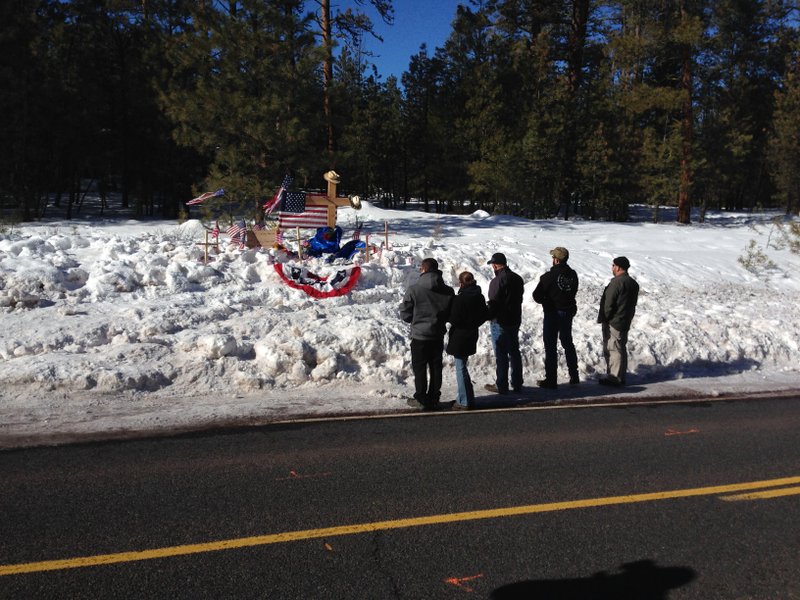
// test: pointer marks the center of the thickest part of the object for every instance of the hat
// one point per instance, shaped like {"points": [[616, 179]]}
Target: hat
{"points": [[622, 262], [560, 253], [331, 177], [498, 258]]}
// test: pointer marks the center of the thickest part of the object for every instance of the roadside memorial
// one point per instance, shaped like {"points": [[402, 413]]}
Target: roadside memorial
{"points": [[308, 209]]}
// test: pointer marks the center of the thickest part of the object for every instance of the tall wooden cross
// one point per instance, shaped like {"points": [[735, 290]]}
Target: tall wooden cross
{"points": [[330, 200]]}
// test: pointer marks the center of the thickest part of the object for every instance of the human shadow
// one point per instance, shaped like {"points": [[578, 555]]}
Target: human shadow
{"points": [[693, 369], [590, 390], [640, 580], [533, 396]]}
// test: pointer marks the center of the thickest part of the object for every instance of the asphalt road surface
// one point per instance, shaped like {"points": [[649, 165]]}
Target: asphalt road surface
{"points": [[673, 501]]}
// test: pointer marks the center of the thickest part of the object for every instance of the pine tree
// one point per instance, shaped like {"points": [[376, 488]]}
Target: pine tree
{"points": [[244, 93], [784, 149]]}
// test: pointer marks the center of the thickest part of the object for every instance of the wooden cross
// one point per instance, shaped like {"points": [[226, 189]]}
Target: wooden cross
{"points": [[206, 244], [330, 200]]}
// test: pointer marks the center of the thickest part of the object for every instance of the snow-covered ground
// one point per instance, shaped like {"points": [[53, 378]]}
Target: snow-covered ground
{"points": [[117, 327]]}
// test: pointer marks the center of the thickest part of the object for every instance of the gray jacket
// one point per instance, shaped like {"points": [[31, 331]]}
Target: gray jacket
{"points": [[618, 303], [426, 305]]}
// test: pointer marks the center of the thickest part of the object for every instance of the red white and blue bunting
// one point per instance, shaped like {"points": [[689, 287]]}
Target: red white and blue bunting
{"points": [[300, 278]]}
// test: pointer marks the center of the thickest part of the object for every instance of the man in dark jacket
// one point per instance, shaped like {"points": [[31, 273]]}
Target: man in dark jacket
{"points": [[617, 307], [505, 312], [467, 314], [556, 292], [426, 305]]}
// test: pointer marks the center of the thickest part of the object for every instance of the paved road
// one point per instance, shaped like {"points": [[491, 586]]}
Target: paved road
{"points": [[670, 501]]}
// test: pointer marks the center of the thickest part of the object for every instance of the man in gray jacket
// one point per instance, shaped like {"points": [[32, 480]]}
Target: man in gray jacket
{"points": [[617, 307], [426, 305]]}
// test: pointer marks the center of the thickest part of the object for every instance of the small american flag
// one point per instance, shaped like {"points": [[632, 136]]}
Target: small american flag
{"points": [[270, 204], [357, 234], [203, 197], [238, 232], [259, 226], [215, 231], [313, 217]]}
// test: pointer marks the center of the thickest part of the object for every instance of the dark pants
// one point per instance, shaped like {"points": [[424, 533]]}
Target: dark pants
{"points": [[558, 324], [426, 356]]}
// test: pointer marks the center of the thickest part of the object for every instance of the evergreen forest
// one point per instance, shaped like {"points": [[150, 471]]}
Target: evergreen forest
{"points": [[533, 108]]}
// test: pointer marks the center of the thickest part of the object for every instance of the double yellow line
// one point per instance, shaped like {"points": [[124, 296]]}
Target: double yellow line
{"points": [[329, 532]]}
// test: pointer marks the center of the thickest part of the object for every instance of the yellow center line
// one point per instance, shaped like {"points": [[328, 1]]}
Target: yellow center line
{"points": [[327, 532], [790, 491]]}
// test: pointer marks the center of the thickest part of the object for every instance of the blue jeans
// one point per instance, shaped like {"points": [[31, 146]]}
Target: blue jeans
{"points": [[506, 351], [558, 325], [466, 394]]}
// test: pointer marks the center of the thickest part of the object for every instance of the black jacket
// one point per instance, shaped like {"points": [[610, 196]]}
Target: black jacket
{"points": [[467, 313], [426, 305], [557, 288], [505, 298], [618, 302]]}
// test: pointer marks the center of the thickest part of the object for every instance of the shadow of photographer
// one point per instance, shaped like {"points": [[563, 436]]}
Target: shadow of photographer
{"points": [[640, 580]]}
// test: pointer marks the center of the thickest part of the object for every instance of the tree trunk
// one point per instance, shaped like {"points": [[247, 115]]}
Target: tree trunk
{"points": [[327, 70], [577, 43], [687, 132]]}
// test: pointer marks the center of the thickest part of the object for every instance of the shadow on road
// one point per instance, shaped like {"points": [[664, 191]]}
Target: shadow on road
{"points": [[689, 369], [641, 580], [534, 396]]}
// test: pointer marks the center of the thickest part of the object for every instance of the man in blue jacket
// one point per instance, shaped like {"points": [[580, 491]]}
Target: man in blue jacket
{"points": [[505, 311], [426, 305]]}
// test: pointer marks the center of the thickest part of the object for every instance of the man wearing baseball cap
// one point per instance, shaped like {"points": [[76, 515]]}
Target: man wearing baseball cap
{"points": [[505, 311], [617, 307], [556, 292]]}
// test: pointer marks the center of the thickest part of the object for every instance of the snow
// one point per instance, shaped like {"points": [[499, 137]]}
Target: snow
{"points": [[117, 327]]}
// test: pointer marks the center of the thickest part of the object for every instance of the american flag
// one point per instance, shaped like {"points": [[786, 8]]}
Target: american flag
{"points": [[203, 197], [238, 233], [357, 234], [270, 204], [215, 231], [294, 202], [259, 226], [313, 217]]}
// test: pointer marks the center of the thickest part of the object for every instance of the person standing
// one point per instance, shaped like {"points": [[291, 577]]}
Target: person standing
{"points": [[505, 312], [617, 307], [556, 292], [467, 314], [426, 305]]}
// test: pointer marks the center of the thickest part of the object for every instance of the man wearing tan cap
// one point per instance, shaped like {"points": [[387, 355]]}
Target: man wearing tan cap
{"points": [[556, 292]]}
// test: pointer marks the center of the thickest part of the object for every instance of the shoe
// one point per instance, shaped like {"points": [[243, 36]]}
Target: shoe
{"points": [[547, 384], [518, 390], [609, 382], [414, 403], [490, 387], [457, 406], [574, 380]]}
